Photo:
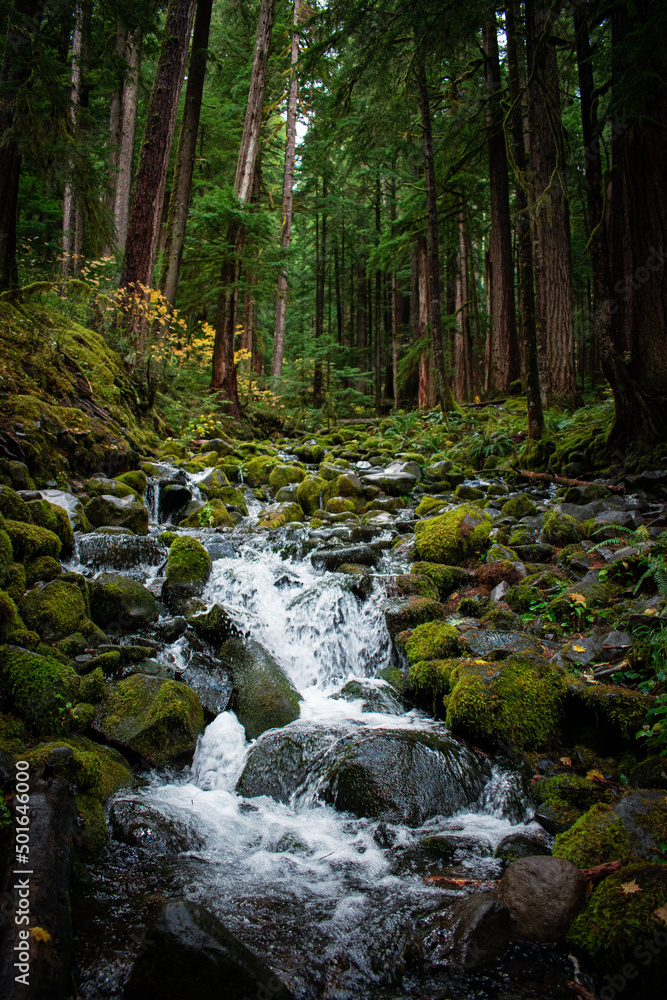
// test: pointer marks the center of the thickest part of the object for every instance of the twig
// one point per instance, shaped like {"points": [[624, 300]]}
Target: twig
{"points": [[549, 478]]}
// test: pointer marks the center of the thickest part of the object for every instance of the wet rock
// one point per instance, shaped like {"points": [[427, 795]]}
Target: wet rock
{"points": [[158, 720], [400, 776], [212, 514], [214, 627], [482, 931], [280, 760], [520, 845], [125, 553], [134, 821], [121, 512], [543, 896], [633, 826], [169, 629], [377, 696], [277, 515], [188, 952], [263, 697], [495, 645], [331, 559], [219, 548], [398, 478], [172, 498], [120, 604], [212, 682], [188, 569], [404, 614], [536, 552], [71, 504]]}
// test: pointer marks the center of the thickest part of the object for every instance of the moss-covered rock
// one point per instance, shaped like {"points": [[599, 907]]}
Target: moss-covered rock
{"points": [[214, 482], [277, 515], [95, 769], [620, 930], [500, 553], [309, 452], [337, 505], [560, 529], [136, 480], [428, 505], [124, 512], [411, 584], [406, 613], [157, 719], [453, 536], [10, 620], [99, 486], [258, 470], [214, 626], [120, 604], [6, 554], [632, 827], [13, 506], [608, 714], [49, 515], [213, 514], [519, 506], [312, 494], [432, 641], [188, 562], [41, 690], [29, 541], [44, 568], [54, 609], [519, 701], [281, 475], [15, 580], [566, 797], [465, 492], [233, 499], [263, 696]]}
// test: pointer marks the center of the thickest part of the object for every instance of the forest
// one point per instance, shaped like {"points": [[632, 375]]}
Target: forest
{"points": [[333, 499]]}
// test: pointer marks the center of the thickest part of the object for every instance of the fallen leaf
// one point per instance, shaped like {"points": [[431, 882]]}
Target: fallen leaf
{"points": [[595, 775], [629, 887], [661, 913], [577, 598], [482, 663], [565, 760], [651, 611], [579, 649], [590, 677], [40, 934]]}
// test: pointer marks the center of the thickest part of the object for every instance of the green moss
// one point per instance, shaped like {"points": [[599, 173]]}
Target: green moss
{"points": [[427, 505], [519, 701], [281, 475], [233, 499], [500, 553], [155, 718], [44, 568], [337, 505], [95, 769], [53, 610], [519, 507], [12, 506], [312, 494], [55, 519], [93, 833], [101, 511], [258, 470], [6, 554], [279, 514], [188, 562], [615, 923], [10, 619], [13, 736], [569, 796], [617, 712], [453, 536], [92, 687], [109, 488], [40, 689], [213, 514], [414, 583], [465, 492], [29, 541], [167, 537], [122, 602], [137, 481], [432, 677], [596, 837], [520, 597], [432, 641], [404, 614], [561, 529], [472, 607]]}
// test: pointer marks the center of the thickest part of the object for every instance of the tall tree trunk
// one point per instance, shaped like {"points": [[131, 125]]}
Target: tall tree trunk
{"points": [[185, 157], [639, 207], [503, 356], [526, 290], [378, 304], [144, 225], [442, 373], [223, 375], [463, 385], [424, 313], [288, 189], [127, 131], [362, 324], [70, 262], [115, 117], [320, 274], [553, 267], [24, 23], [394, 311]]}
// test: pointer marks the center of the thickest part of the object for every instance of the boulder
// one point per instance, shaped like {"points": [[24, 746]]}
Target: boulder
{"points": [[632, 827], [263, 696], [120, 604], [403, 614], [134, 821], [212, 514], [397, 479], [214, 626], [53, 610], [189, 563], [453, 536], [375, 695], [29, 541], [55, 519], [563, 798], [543, 896], [277, 515], [280, 760], [172, 498], [282, 475], [122, 512], [520, 845], [215, 481], [157, 720], [188, 952], [481, 931], [122, 553], [211, 680], [38, 689], [332, 559]]}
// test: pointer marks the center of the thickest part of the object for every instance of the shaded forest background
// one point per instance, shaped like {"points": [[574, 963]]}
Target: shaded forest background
{"points": [[348, 208]]}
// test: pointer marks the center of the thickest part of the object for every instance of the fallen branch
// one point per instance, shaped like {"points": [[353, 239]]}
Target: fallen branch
{"points": [[457, 883], [548, 478], [601, 871], [581, 990]]}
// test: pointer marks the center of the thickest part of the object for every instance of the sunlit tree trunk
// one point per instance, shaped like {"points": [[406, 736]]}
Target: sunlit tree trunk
{"points": [[288, 188], [223, 375], [70, 258]]}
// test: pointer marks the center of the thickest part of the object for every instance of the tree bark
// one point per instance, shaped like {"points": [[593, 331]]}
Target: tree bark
{"points": [[223, 375], [145, 218], [362, 323], [445, 398], [288, 190], [128, 128], [553, 268], [24, 24], [70, 262], [463, 384], [394, 311], [422, 329], [185, 157], [115, 117], [503, 357], [378, 304], [526, 289], [320, 273]]}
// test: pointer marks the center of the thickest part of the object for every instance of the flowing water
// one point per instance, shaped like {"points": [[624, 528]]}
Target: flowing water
{"points": [[336, 904]]}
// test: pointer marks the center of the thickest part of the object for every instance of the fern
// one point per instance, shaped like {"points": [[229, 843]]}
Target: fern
{"points": [[650, 549]]}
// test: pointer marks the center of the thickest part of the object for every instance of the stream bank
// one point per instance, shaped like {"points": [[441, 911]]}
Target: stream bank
{"points": [[420, 656]]}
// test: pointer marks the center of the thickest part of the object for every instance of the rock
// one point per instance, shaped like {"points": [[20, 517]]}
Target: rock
{"points": [[220, 548], [446, 578], [376, 696], [520, 845], [398, 478], [499, 591], [481, 931], [399, 776], [211, 484], [172, 498], [212, 682], [263, 696], [404, 614], [134, 821], [13, 506], [214, 627], [560, 529], [635, 825], [452, 537], [496, 645], [607, 713], [279, 761], [188, 952], [55, 519], [332, 559], [122, 512], [435, 640], [38, 688], [158, 720], [518, 506], [212, 514], [54, 609], [543, 895], [563, 798], [189, 564], [99, 486], [29, 541], [169, 629], [120, 604], [121, 552], [282, 475], [312, 494], [616, 644], [277, 515]]}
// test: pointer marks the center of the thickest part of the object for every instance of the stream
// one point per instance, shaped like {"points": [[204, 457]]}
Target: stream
{"points": [[334, 902]]}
